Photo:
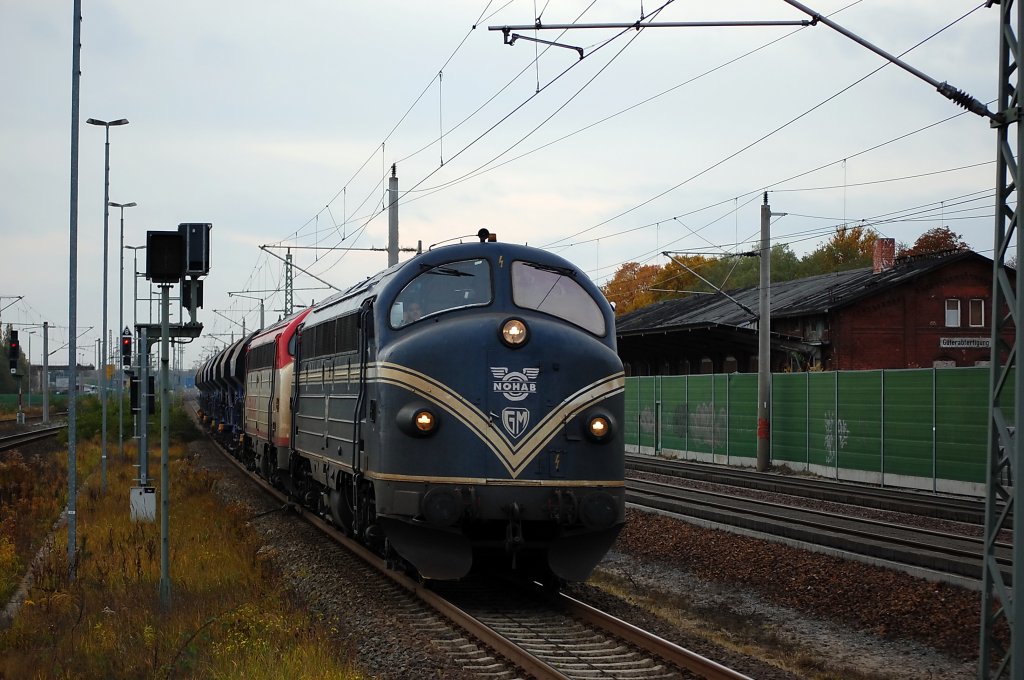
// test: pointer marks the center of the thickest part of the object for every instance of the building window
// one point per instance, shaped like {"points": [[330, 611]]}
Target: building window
{"points": [[952, 313], [977, 313]]}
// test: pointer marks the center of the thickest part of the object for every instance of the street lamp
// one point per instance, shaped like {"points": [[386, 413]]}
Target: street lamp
{"points": [[250, 297], [120, 325], [103, 339]]}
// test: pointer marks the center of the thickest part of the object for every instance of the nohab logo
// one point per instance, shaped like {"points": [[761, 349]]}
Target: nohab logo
{"points": [[515, 385]]}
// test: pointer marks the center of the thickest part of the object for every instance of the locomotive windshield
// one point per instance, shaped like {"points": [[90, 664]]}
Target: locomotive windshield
{"points": [[453, 285], [553, 290]]}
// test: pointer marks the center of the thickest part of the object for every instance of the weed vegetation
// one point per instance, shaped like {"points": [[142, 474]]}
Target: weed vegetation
{"points": [[226, 617]]}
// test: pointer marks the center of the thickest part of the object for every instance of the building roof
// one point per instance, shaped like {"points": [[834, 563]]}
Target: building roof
{"points": [[800, 297]]}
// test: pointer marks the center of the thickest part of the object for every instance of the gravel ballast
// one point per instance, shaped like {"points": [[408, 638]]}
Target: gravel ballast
{"points": [[732, 598]]}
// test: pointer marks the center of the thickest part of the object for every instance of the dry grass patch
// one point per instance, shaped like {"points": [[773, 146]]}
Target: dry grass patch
{"points": [[227, 617]]}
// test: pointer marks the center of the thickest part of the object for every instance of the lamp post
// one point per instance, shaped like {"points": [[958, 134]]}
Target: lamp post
{"points": [[103, 338], [120, 325], [251, 297]]}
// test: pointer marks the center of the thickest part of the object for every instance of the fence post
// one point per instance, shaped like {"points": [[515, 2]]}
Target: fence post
{"points": [[835, 425], [807, 421], [657, 415], [686, 411], [935, 469], [881, 434], [728, 419]]}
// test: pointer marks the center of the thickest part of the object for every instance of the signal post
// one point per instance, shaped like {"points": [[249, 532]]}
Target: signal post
{"points": [[172, 257], [13, 352]]}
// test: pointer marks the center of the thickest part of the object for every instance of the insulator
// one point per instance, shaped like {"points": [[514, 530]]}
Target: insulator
{"points": [[962, 99]]}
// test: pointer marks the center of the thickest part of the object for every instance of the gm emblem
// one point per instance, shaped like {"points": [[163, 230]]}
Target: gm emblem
{"points": [[515, 421], [515, 385]]}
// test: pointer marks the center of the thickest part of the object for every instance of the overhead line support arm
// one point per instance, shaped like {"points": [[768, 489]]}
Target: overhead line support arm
{"points": [[266, 249], [955, 95], [682, 264]]}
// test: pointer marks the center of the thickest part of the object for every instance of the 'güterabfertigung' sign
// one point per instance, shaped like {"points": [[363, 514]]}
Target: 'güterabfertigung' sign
{"points": [[965, 343]]}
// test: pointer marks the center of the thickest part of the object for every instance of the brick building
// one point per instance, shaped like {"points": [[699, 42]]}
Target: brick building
{"points": [[932, 310]]}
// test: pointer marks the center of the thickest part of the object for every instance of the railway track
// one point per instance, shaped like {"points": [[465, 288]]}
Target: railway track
{"points": [[13, 420], [940, 553], [541, 635], [12, 441], [956, 509]]}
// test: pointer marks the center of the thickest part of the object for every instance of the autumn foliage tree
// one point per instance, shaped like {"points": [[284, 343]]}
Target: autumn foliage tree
{"points": [[630, 288], [936, 240], [635, 285], [849, 248]]}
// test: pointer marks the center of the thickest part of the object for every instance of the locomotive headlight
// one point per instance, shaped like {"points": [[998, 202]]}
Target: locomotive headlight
{"points": [[418, 419], [424, 421], [513, 333], [598, 428]]}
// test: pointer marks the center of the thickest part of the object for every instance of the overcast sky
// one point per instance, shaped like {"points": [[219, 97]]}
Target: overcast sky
{"points": [[277, 123]]}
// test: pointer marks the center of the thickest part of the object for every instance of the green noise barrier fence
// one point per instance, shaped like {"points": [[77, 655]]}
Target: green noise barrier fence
{"points": [[918, 428]]}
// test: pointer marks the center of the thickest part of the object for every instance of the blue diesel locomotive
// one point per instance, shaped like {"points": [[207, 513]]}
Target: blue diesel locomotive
{"points": [[464, 408]]}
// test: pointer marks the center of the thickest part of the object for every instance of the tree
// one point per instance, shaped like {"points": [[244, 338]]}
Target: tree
{"points": [[936, 240], [785, 263], [630, 288], [849, 248], [746, 272], [681, 280]]}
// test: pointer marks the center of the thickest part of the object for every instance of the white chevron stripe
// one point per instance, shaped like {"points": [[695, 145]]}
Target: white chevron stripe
{"points": [[514, 456]]}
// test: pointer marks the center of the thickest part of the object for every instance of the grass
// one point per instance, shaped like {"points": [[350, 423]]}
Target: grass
{"points": [[226, 619], [9, 403]]}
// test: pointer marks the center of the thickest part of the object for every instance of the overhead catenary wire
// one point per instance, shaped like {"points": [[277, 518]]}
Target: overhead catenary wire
{"points": [[924, 212], [423, 189], [362, 228], [763, 137], [754, 195]]}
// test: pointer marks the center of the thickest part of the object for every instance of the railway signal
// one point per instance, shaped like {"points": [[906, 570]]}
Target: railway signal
{"points": [[12, 351], [126, 350]]}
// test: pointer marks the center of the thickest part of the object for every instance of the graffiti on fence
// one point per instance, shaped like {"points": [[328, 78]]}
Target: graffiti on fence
{"points": [[647, 421], [676, 422], [708, 426], [837, 433]]}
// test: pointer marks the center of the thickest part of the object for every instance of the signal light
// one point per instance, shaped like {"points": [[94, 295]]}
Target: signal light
{"points": [[126, 350], [12, 351]]}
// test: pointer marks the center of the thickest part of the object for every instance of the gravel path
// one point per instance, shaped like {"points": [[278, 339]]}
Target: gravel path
{"points": [[816, 610]]}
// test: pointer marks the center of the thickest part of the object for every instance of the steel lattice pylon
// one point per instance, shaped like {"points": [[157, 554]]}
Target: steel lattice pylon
{"points": [[999, 607], [289, 290]]}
